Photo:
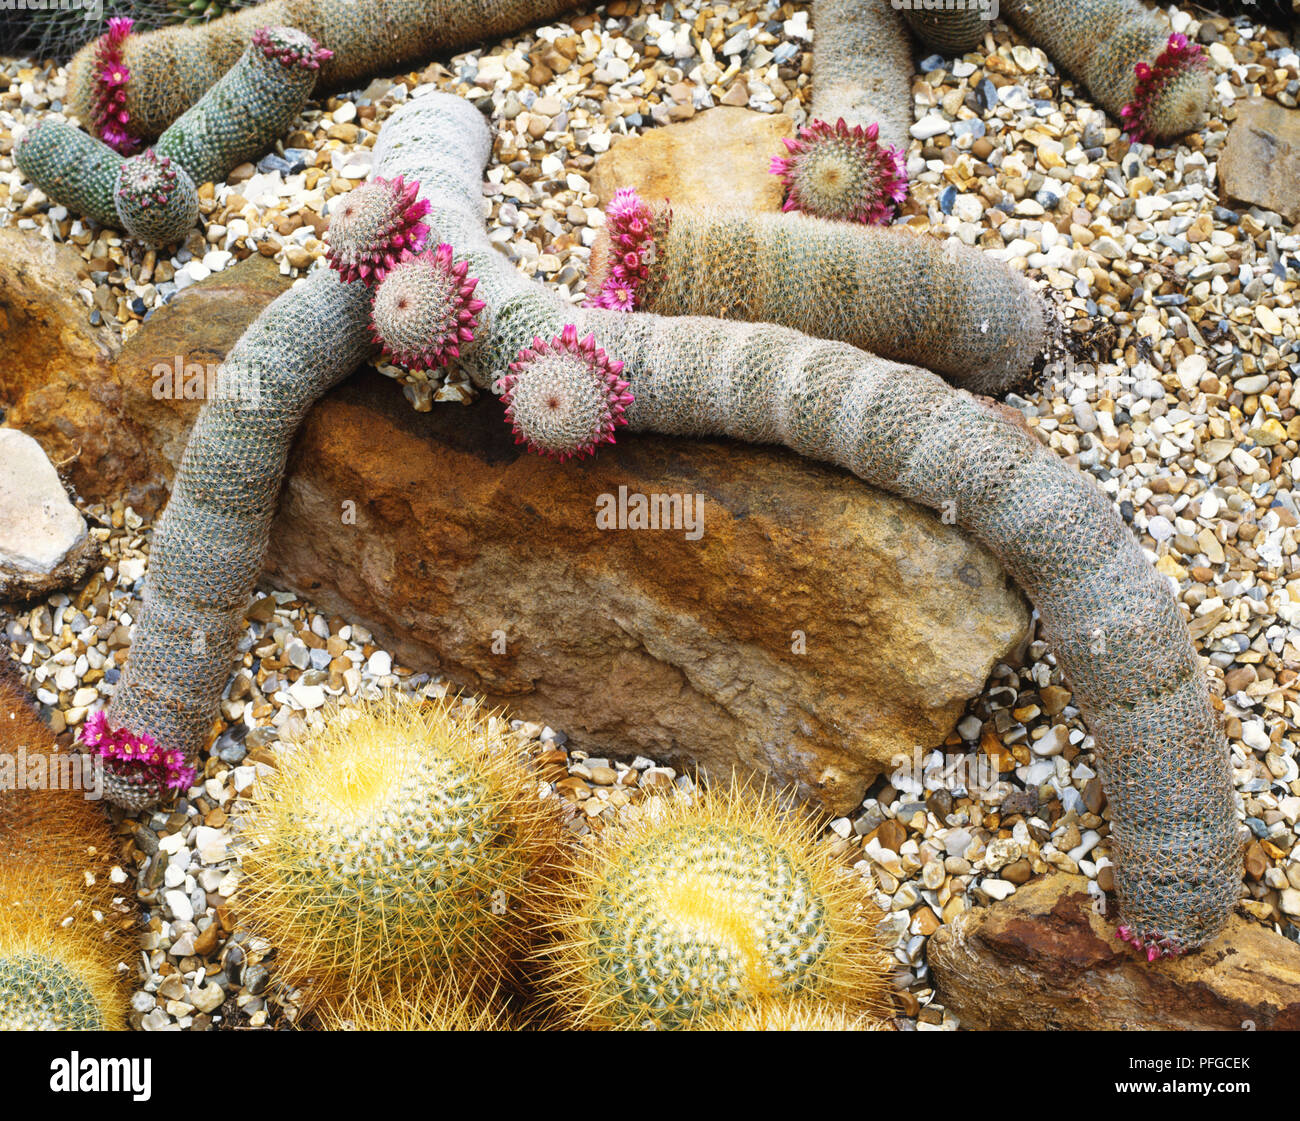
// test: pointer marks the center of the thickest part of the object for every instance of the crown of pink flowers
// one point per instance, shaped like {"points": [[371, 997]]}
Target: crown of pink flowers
{"points": [[1155, 944], [565, 397], [109, 116], [374, 227], [148, 179], [425, 310], [1179, 56], [630, 225], [874, 175], [136, 757], [291, 47]]}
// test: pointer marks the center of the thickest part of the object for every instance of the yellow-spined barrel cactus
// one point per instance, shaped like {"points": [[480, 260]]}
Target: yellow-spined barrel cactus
{"points": [[401, 838], [800, 1015], [703, 906], [61, 944], [1156, 84], [425, 1005], [901, 295]]}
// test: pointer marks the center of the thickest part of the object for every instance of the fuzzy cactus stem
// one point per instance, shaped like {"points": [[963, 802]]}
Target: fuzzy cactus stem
{"points": [[565, 397], [842, 172], [424, 310], [1179, 57], [375, 227]]}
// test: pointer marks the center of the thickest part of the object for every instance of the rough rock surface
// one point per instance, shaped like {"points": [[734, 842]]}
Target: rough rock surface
{"points": [[814, 631], [44, 543], [1043, 959], [89, 403], [1260, 163], [720, 156]]}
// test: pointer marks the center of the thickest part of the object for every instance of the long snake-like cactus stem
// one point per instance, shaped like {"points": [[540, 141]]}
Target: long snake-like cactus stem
{"points": [[1111, 618], [901, 295], [209, 544]]}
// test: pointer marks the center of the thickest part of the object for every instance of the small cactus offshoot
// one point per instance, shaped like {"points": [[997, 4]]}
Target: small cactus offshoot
{"points": [[842, 172], [376, 226], [424, 310], [706, 906], [401, 838], [564, 397]]}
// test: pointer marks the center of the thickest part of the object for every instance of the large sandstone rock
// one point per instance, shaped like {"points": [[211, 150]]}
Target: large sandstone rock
{"points": [[814, 630], [44, 543], [65, 383], [719, 157], [1260, 163], [1043, 960]]}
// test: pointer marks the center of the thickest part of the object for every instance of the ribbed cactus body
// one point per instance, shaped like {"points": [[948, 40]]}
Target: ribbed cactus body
{"points": [[240, 115], [951, 31], [209, 544], [704, 907], [172, 67], [399, 842], [936, 304], [1102, 43], [72, 168], [38, 993]]}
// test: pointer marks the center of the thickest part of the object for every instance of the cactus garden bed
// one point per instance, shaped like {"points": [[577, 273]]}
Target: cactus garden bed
{"points": [[1166, 312]]}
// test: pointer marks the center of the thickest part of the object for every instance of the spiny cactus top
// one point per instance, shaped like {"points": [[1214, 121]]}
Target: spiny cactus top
{"points": [[374, 227], [1155, 84], [705, 906], [838, 171], [564, 397], [849, 163], [424, 310], [403, 837]]}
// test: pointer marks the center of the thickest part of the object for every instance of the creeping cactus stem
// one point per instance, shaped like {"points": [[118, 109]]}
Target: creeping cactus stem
{"points": [[154, 197], [563, 398]]}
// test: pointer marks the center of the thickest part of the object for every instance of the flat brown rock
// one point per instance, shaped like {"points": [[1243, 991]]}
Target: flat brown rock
{"points": [[1044, 959], [719, 157], [1260, 163], [813, 631]]}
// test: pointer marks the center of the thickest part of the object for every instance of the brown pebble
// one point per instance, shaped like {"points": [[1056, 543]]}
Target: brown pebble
{"points": [[1017, 873]]}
